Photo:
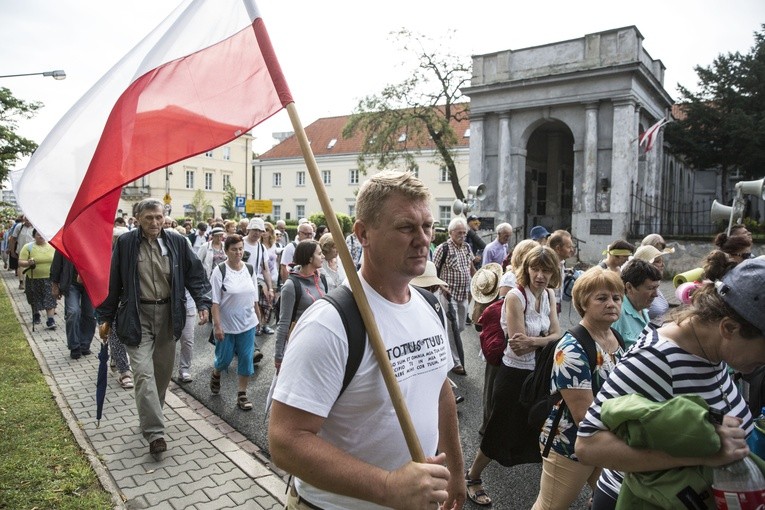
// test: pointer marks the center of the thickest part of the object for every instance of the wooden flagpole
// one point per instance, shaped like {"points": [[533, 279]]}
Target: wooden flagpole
{"points": [[404, 418]]}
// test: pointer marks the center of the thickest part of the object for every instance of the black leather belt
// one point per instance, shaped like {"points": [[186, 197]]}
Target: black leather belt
{"points": [[155, 301]]}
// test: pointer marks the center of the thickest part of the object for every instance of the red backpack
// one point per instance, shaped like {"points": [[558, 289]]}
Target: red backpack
{"points": [[492, 337]]}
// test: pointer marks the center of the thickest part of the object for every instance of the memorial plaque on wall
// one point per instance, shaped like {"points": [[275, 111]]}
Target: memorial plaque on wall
{"points": [[600, 227], [487, 223]]}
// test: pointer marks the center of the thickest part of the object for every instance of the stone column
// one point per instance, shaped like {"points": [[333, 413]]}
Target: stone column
{"points": [[590, 182], [504, 182], [514, 203], [553, 175], [476, 158], [623, 155]]}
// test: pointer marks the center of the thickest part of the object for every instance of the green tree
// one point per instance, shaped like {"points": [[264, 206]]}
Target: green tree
{"points": [[723, 124], [421, 107], [346, 223], [229, 202], [200, 205], [12, 146]]}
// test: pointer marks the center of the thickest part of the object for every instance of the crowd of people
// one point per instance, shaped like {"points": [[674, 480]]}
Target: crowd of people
{"points": [[331, 413]]}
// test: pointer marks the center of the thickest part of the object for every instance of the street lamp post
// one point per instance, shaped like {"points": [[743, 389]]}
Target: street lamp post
{"points": [[56, 75]]}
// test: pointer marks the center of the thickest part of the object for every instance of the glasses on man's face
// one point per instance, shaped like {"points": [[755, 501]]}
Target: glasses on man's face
{"points": [[745, 255], [305, 233]]}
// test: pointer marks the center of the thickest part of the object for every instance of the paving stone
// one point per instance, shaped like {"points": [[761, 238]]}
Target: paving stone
{"points": [[208, 465]]}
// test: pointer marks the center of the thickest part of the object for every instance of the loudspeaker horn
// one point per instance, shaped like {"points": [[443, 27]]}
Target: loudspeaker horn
{"points": [[458, 207], [720, 212], [752, 188], [479, 192]]}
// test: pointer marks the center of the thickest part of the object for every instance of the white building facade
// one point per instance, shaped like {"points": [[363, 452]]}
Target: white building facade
{"points": [[210, 172], [281, 174]]}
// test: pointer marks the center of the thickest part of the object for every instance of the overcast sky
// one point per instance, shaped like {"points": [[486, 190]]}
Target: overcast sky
{"points": [[335, 52]]}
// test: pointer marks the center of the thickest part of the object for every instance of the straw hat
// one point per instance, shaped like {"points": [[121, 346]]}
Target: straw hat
{"points": [[429, 278], [485, 283], [648, 253]]}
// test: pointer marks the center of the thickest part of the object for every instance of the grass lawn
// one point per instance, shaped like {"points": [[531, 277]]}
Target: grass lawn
{"points": [[41, 465]]}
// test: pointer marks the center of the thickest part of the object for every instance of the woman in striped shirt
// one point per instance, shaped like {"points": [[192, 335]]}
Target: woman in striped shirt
{"points": [[723, 326]]}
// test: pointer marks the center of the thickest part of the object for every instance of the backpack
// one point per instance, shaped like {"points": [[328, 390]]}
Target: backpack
{"points": [[535, 391], [493, 339], [222, 269], [756, 380], [355, 331], [444, 255]]}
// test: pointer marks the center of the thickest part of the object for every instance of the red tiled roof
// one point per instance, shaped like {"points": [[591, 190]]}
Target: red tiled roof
{"points": [[321, 132]]}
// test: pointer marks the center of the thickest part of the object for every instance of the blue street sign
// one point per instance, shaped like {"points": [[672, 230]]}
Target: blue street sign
{"points": [[240, 201]]}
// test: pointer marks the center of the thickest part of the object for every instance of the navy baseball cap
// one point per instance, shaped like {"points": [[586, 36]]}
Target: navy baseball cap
{"points": [[538, 232]]}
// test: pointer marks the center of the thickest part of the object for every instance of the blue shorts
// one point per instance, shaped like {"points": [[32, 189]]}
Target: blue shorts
{"points": [[241, 344]]}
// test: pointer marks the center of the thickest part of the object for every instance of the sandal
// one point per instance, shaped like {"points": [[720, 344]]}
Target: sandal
{"points": [[475, 491], [126, 381], [243, 402], [215, 383]]}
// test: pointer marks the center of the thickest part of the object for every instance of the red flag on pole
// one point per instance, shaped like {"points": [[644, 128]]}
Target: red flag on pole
{"points": [[206, 75], [648, 137]]}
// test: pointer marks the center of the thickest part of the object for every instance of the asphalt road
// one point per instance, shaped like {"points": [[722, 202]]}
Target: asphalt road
{"points": [[514, 487]]}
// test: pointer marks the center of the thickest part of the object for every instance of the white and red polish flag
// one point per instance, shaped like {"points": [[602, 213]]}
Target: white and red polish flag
{"points": [[206, 75], [648, 137]]}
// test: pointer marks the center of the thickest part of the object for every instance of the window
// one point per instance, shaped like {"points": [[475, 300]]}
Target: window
{"points": [[402, 137], [208, 181], [277, 179], [209, 154], [226, 181], [353, 176], [444, 214], [300, 211], [331, 143], [189, 179], [443, 175], [326, 177], [467, 133], [300, 179], [351, 210], [277, 212], [227, 153]]}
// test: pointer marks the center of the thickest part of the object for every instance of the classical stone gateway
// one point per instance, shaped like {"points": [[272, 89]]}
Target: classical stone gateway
{"points": [[554, 133]]}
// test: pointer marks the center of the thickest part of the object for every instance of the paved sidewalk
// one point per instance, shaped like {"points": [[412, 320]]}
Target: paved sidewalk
{"points": [[208, 465]]}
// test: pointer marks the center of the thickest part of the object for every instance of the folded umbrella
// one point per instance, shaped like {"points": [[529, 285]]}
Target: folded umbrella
{"points": [[103, 363]]}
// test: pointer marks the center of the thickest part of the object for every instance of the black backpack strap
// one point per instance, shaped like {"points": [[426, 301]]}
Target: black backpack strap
{"points": [[295, 283], [588, 344], [222, 268], [444, 254], [433, 302], [342, 299]]}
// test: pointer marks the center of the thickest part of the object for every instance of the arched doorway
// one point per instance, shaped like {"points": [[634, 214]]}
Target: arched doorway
{"points": [[549, 177]]}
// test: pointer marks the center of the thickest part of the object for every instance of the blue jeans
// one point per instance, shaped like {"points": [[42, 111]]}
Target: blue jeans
{"points": [[80, 318]]}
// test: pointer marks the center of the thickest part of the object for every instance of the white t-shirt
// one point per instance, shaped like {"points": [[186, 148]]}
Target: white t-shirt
{"points": [[362, 421], [536, 322], [237, 303], [257, 253], [287, 254]]}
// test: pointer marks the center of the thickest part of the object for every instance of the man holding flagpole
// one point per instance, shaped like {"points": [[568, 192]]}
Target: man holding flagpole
{"points": [[345, 448]]}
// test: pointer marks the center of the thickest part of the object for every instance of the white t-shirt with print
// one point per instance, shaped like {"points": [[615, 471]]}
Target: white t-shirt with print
{"points": [[362, 421]]}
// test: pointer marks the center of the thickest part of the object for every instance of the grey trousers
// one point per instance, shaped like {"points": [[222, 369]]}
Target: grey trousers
{"points": [[152, 361]]}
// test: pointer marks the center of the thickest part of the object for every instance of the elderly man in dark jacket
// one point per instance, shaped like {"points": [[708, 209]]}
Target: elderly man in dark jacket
{"points": [[151, 269]]}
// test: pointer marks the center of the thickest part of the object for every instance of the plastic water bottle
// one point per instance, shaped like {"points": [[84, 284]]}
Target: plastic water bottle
{"points": [[739, 486]]}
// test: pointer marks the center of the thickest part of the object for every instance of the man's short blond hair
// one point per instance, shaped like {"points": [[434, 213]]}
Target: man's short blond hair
{"points": [[375, 192]]}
